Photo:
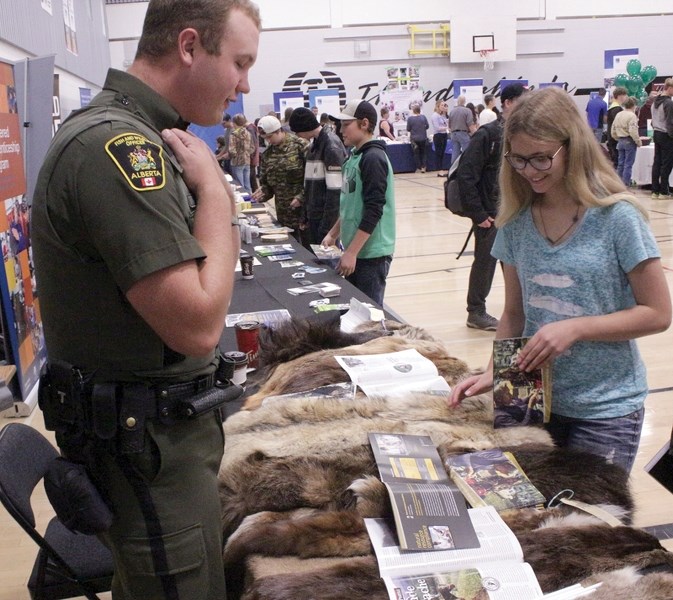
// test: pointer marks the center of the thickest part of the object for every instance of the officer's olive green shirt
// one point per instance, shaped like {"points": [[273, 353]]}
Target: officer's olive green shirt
{"points": [[109, 209]]}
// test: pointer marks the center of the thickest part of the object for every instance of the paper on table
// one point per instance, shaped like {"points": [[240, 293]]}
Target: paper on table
{"points": [[359, 313]]}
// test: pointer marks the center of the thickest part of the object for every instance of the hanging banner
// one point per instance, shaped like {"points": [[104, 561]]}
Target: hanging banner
{"points": [[17, 283]]}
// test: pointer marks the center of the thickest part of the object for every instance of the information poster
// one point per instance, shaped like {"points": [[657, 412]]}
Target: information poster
{"points": [[400, 94], [17, 284]]}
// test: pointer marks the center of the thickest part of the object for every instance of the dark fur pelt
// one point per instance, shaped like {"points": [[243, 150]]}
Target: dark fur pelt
{"points": [[562, 556], [296, 337], [628, 584]]}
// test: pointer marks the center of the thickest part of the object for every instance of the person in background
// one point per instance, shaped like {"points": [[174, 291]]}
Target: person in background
{"points": [[597, 113], [315, 111], [488, 114], [385, 126], [254, 156], [327, 123], [222, 152], [477, 177], [135, 283], [322, 179], [440, 128], [662, 124], [286, 119], [281, 173], [583, 277], [366, 223], [417, 126], [461, 125], [241, 149], [625, 131], [619, 94], [645, 114]]}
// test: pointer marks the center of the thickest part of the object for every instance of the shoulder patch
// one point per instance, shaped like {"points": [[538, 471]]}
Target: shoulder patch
{"points": [[141, 161]]}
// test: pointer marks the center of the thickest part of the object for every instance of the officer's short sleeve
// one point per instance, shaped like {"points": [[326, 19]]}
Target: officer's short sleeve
{"points": [[132, 207]]}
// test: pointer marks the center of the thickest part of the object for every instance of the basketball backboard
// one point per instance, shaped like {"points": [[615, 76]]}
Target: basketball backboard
{"points": [[470, 37]]}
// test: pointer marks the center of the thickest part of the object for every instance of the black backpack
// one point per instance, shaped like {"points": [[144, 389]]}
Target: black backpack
{"points": [[452, 199]]}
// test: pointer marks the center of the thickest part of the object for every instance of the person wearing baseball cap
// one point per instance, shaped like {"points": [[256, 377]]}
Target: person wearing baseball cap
{"points": [[322, 178], [366, 223], [281, 173]]}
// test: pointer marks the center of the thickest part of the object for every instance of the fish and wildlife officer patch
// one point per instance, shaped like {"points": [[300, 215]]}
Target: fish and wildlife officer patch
{"points": [[141, 161]]}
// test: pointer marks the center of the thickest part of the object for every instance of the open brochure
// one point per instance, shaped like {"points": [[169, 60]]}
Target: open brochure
{"points": [[502, 574], [326, 252], [493, 478], [519, 398], [268, 317], [430, 513], [358, 313], [394, 373], [274, 249]]}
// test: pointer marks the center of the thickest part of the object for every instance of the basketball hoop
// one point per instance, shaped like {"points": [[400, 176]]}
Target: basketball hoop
{"points": [[488, 56]]}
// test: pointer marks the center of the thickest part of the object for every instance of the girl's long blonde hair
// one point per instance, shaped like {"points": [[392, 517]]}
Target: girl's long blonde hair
{"points": [[550, 115]]}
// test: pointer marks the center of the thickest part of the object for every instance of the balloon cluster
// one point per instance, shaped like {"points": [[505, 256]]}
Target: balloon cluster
{"points": [[636, 79]]}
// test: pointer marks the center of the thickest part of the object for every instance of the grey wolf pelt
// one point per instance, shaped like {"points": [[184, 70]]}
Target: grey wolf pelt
{"points": [[320, 368], [296, 337], [325, 426], [304, 533], [628, 584], [353, 579]]}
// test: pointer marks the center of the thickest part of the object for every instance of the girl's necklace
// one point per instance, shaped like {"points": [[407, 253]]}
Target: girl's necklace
{"points": [[553, 242]]}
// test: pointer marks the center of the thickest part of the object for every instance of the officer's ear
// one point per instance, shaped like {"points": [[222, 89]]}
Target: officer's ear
{"points": [[188, 40]]}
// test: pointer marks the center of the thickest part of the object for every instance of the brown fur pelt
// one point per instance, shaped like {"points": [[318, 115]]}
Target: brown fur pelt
{"points": [[320, 368], [296, 337], [562, 556], [353, 579]]}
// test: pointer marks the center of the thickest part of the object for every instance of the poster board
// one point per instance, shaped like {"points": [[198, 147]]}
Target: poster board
{"points": [[18, 293], [472, 89], [327, 101], [283, 100]]}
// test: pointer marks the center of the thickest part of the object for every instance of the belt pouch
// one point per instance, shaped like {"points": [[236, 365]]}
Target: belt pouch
{"points": [[208, 401], [60, 396], [137, 401], [104, 410]]}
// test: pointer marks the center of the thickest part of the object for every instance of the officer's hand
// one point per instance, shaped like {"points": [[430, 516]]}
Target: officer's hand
{"points": [[197, 161]]}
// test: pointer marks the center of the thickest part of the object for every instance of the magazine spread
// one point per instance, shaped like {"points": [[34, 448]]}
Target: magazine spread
{"points": [[498, 560], [519, 398], [430, 513], [493, 478], [500, 581], [395, 373]]}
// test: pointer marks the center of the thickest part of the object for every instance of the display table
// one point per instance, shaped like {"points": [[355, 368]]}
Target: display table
{"points": [[401, 157], [642, 167]]}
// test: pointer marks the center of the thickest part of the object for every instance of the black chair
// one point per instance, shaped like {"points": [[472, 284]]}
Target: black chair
{"points": [[68, 564]]}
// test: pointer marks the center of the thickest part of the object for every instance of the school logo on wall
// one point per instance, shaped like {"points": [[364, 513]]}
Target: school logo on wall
{"points": [[305, 82]]}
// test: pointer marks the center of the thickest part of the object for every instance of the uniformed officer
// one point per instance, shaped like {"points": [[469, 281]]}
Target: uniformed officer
{"points": [[135, 252], [282, 173]]}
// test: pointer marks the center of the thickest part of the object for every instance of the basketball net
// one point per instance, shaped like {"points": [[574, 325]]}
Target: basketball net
{"points": [[488, 56]]}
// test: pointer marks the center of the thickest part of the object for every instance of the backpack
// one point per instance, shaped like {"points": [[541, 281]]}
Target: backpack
{"points": [[452, 199]]}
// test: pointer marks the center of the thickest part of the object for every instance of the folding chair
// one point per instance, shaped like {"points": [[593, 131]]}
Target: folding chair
{"points": [[68, 564]]}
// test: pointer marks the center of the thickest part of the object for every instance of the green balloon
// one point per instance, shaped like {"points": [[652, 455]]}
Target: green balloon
{"points": [[621, 79], [633, 67], [633, 84], [648, 74], [641, 97]]}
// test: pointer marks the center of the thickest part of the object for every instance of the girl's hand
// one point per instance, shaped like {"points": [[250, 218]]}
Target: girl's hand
{"points": [[472, 386], [550, 341]]}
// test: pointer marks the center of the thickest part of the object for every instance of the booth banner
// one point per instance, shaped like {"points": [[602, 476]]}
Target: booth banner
{"points": [[399, 102], [17, 284], [69, 26]]}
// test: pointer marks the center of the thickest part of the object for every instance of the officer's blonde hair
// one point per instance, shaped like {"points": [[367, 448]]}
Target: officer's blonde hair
{"points": [[165, 19]]}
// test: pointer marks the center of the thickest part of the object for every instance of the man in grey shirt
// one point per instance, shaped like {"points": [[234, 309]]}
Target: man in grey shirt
{"points": [[461, 125]]}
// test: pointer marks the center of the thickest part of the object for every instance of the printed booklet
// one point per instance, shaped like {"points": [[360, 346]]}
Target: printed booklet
{"points": [[495, 570], [519, 398], [430, 513], [394, 373], [493, 478]]}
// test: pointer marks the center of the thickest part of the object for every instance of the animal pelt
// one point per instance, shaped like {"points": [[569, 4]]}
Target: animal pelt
{"points": [[628, 584], [315, 426], [354, 579], [320, 368], [562, 556], [296, 337]]}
